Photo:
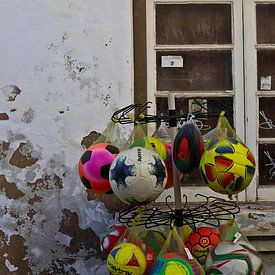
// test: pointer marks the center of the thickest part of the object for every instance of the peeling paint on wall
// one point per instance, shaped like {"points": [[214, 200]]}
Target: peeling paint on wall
{"points": [[57, 94], [10, 189], [24, 156], [4, 116], [80, 238], [13, 255], [4, 147], [90, 139], [10, 92]]}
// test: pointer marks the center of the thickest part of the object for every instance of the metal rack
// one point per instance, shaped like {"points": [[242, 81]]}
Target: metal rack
{"points": [[211, 211]]}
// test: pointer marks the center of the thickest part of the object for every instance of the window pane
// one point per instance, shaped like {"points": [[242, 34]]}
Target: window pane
{"points": [[266, 117], [266, 68], [207, 110], [266, 164], [201, 71], [193, 24], [265, 23]]}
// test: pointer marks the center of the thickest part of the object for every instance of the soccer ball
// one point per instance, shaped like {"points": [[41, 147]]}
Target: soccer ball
{"points": [[94, 165], [175, 263], [151, 143], [227, 166], [126, 258], [109, 238], [234, 258], [201, 241], [137, 175], [188, 148], [151, 243]]}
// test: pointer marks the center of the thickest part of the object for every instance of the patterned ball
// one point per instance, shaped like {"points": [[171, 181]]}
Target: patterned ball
{"points": [[138, 175], [151, 143], [201, 241], [109, 238], [188, 148], [227, 166], [126, 258], [234, 258], [94, 165], [175, 263]]}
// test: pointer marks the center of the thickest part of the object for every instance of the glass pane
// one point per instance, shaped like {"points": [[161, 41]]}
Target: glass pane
{"points": [[266, 117], [266, 69], [209, 109], [265, 14], [193, 24], [201, 71], [206, 110], [266, 164]]}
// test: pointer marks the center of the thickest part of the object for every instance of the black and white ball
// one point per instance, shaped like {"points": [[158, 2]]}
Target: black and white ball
{"points": [[137, 175]]}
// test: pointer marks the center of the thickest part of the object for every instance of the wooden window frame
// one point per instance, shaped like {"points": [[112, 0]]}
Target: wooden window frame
{"points": [[244, 84]]}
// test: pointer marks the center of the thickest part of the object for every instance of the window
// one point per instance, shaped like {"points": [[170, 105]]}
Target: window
{"points": [[220, 55], [259, 45]]}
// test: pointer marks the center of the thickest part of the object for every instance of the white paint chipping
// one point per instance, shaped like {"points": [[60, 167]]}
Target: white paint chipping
{"points": [[72, 62]]}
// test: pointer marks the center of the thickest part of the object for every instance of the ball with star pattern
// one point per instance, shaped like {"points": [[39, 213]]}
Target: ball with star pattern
{"points": [[137, 176]]}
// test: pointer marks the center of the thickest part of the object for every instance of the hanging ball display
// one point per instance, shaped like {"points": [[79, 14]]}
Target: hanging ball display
{"points": [[234, 258], [151, 143], [201, 241], [188, 148], [94, 165], [175, 263], [227, 166], [126, 258], [137, 175], [109, 238]]}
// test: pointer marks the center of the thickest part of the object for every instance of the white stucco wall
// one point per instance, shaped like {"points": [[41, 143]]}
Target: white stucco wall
{"points": [[65, 66]]}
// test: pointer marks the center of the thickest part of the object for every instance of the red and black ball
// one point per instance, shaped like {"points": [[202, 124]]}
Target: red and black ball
{"points": [[188, 148]]}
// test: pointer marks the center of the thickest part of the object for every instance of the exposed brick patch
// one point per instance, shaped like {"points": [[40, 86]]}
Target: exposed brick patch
{"points": [[90, 139], [23, 156], [48, 182], [34, 199], [4, 116], [4, 147], [81, 238], [10, 188], [15, 252]]}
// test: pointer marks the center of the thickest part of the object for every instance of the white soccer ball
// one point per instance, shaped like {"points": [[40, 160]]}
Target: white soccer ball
{"points": [[229, 258], [137, 175]]}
